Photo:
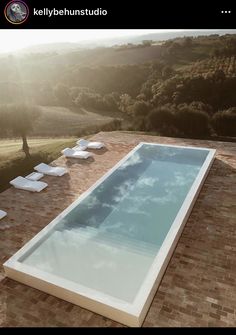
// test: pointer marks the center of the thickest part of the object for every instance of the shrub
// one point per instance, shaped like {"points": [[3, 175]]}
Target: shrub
{"points": [[192, 122], [162, 120], [141, 109], [224, 122], [89, 99]]}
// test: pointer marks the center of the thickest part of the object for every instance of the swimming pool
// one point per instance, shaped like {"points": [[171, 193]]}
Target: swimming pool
{"points": [[108, 251]]}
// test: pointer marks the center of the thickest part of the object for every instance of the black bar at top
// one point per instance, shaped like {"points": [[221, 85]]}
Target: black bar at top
{"points": [[127, 15]]}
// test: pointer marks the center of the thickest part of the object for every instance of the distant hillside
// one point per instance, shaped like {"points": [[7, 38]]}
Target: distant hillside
{"points": [[60, 121], [104, 56], [119, 40], [65, 54], [210, 65], [49, 47], [162, 36]]}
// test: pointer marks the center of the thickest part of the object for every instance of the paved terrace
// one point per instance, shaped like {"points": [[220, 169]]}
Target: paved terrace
{"points": [[199, 285]]}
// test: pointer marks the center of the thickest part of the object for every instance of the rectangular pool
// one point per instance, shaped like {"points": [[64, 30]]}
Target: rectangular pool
{"points": [[108, 251]]}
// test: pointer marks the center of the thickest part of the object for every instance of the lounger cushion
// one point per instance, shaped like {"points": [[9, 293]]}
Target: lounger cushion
{"points": [[71, 153], [90, 144], [28, 185], [51, 170], [79, 148], [34, 176], [95, 145], [83, 143], [2, 214]]}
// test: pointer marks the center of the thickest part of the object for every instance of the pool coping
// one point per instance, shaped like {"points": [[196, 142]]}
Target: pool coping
{"points": [[129, 314]]}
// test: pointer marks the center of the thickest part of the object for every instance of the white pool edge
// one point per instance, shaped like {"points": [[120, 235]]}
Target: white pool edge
{"points": [[125, 313]]}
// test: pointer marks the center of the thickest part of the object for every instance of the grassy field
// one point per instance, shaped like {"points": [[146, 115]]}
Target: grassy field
{"points": [[13, 162], [61, 121], [53, 124], [13, 147], [47, 140]]}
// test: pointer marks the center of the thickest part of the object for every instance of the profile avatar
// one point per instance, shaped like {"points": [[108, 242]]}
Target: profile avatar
{"points": [[16, 12]]}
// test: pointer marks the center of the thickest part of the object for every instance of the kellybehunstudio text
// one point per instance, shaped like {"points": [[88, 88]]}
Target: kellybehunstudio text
{"points": [[54, 12]]}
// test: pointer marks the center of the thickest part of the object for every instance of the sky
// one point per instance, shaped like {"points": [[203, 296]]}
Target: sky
{"points": [[13, 40]]}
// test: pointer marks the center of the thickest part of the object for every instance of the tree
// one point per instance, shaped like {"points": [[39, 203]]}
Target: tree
{"points": [[173, 50], [126, 103], [224, 122], [19, 120], [192, 122], [167, 72], [188, 42], [219, 75], [199, 105], [157, 66], [147, 43], [161, 119], [90, 99], [141, 109], [111, 100]]}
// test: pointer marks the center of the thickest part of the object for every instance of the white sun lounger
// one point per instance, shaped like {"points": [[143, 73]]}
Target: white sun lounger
{"points": [[51, 170], [2, 214], [28, 185], [34, 176], [90, 145], [71, 153]]}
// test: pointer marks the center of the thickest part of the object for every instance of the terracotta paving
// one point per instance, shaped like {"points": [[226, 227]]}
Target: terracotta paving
{"points": [[199, 285]]}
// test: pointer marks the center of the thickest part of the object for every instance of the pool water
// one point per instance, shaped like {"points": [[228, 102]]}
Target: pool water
{"points": [[109, 241]]}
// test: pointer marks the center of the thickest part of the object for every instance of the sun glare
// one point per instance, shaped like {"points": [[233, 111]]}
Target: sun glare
{"points": [[13, 40]]}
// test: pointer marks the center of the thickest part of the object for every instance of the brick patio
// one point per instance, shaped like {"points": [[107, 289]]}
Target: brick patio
{"points": [[199, 285]]}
